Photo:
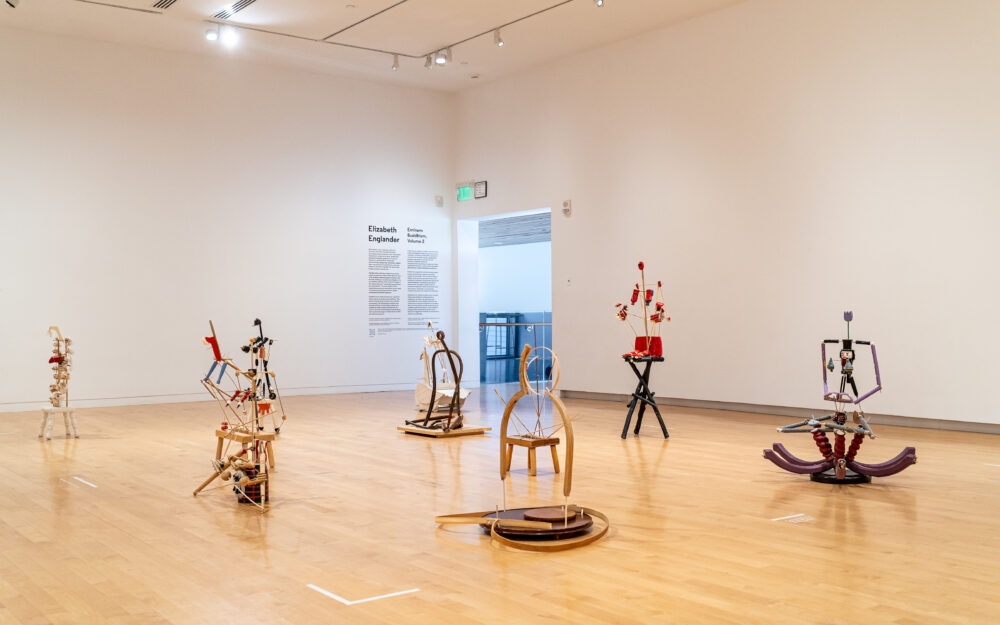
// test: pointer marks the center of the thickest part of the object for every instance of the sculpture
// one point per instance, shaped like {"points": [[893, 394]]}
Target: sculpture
{"points": [[442, 405], [62, 362], [838, 465], [534, 529], [250, 396], [648, 349]]}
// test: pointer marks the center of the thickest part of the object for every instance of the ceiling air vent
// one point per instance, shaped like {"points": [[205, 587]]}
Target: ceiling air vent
{"points": [[164, 4], [233, 9]]}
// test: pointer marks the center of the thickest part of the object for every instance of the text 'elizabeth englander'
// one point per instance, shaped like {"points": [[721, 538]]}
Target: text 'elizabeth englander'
{"points": [[413, 235], [382, 229]]}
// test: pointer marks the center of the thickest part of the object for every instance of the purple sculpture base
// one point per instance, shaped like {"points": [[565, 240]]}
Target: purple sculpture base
{"points": [[825, 472]]}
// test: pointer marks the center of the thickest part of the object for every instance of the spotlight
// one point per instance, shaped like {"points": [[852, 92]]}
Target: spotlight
{"points": [[13, 3], [439, 58], [395, 62], [599, 3], [427, 62], [447, 55], [229, 36], [497, 39], [212, 34]]}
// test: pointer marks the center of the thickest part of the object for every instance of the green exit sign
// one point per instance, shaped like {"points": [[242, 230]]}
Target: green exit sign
{"points": [[465, 193]]}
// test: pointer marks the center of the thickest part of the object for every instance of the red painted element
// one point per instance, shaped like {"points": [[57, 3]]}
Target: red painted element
{"points": [[264, 407], [641, 265], [838, 446], [211, 340], [855, 446], [651, 344], [668, 318], [56, 359], [824, 445], [649, 296], [225, 426], [659, 284], [635, 296]]}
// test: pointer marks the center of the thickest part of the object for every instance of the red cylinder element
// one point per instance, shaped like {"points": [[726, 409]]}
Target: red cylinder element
{"points": [[651, 344], [824, 444], [855, 446], [838, 446]]}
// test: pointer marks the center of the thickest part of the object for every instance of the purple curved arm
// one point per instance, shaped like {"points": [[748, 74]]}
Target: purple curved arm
{"points": [[905, 458], [878, 378], [794, 467], [822, 360]]}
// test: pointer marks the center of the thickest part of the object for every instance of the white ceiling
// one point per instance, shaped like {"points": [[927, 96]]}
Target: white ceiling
{"points": [[298, 29]]}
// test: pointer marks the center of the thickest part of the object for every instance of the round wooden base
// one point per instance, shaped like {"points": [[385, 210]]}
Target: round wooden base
{"points": [[578, 523], [830, 477]]}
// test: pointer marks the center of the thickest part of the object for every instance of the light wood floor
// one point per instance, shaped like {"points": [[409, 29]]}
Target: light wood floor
{"points": [[693, 540]]}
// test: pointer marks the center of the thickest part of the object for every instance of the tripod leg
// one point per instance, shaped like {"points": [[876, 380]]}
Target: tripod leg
{"points": [[645, 392], [638, 419], [659, 418], [628, 417]]}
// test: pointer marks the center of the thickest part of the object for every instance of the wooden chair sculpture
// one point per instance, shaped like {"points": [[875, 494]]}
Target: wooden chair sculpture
{"points": [[536, 436], [547, 529], [251, 396], [435, 422], [62, 361]]}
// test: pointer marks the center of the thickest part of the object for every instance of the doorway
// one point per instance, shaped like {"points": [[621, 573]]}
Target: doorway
{"points": [[515, 294]]}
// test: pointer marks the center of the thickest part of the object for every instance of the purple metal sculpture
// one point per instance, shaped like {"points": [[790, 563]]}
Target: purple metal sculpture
{"points": [[838, 465]]}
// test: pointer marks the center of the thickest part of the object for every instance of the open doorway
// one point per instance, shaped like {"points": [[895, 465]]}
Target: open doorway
{"points": [[515, 294]]}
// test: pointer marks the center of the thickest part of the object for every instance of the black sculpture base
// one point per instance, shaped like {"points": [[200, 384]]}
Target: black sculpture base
{"points": [[643, 396], [830, 477]]}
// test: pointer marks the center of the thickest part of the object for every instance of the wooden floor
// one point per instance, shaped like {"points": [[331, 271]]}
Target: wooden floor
{"points": [[693, 536]]}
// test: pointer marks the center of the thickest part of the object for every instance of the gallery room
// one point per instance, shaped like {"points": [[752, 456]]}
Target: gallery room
{"points": [[500, 311]]}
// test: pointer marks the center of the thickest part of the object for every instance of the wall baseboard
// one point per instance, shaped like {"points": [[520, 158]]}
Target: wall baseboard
{"points": [[790, 411], [174, 398]]}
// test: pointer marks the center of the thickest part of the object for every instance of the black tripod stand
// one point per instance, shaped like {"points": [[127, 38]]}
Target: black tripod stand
{"points": [[643, 395]]}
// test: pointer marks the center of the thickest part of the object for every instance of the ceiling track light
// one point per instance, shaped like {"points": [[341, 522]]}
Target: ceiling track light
{"points": [[440, 58], [395, 62], [427, 62], [212, 33], [447, 55], [229, 36], [497, 39], [599, 3]]}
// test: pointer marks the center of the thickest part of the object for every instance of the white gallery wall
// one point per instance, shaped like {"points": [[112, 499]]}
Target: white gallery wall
{"points": [[773, 164], [144, 192]]}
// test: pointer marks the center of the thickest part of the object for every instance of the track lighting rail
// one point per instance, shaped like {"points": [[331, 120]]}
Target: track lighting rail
{"points": [[495, 30]]}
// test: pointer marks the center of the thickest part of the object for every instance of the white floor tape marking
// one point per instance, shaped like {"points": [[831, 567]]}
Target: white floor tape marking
{"points": [[346, 602], [785, 518], [80, 479]]}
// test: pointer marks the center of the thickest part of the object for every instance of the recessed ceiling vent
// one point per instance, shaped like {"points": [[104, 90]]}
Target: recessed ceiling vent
{"points": [[164, 4], [233, 9]]}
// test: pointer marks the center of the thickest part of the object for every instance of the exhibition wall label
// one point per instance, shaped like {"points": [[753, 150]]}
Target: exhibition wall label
{"points": [[403, 280]]}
